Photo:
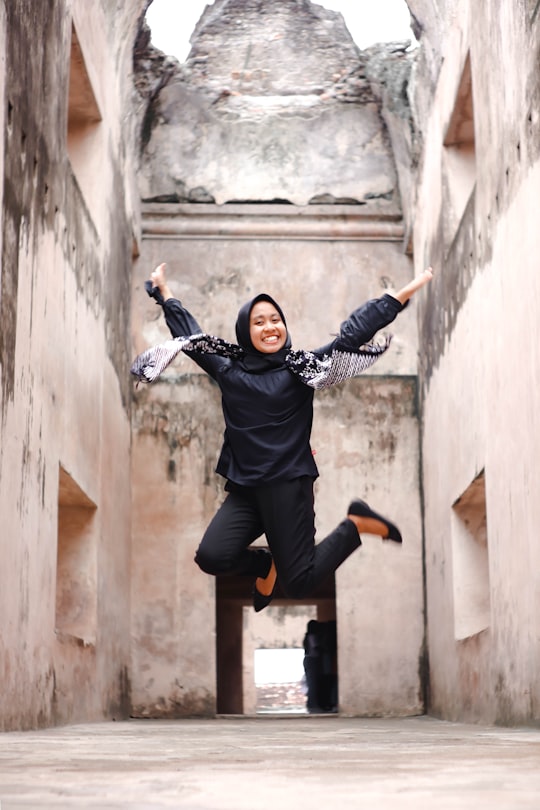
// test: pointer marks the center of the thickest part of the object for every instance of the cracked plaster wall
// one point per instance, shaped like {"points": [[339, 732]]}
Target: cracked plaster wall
{"points": [[64, 346], [366, 442], [479, 350], [275, 104], [64, 283]]}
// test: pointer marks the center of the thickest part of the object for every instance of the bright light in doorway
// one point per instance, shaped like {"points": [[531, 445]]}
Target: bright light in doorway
{"points": [[279, 666]]}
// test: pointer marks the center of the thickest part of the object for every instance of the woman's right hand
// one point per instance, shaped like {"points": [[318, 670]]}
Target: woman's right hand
{"points": [[157, 277], [159, 280]]}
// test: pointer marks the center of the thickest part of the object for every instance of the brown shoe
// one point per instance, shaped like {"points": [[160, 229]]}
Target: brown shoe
{"points": [[361, 509]]}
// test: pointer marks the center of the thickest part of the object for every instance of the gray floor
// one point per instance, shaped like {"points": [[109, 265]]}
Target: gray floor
{"points": [[272, 763]]}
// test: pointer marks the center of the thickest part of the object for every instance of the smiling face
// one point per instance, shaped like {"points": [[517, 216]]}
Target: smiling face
{"points": [[267, 331]]}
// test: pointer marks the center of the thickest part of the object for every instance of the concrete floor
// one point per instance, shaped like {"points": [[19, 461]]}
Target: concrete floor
{"points": [[272, 763]]}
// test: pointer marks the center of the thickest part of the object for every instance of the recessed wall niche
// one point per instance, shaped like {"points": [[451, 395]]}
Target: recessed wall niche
{"points": [[459, 156], [84, 132], [76, 569], [470, 561]]}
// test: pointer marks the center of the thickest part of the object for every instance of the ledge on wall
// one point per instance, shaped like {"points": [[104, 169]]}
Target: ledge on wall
{"points": [[268, 221]]}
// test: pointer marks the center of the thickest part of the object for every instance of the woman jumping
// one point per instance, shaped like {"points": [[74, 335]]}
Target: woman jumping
{"points": [[267, 393]]}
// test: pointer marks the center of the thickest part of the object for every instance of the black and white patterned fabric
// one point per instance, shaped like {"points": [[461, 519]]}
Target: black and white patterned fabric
{"points": [[317, 372]]}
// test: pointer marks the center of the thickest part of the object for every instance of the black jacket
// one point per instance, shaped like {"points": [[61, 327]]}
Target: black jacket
{"points": [[269, 414]]}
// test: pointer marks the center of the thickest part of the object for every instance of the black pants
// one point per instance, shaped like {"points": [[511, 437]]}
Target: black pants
{"points": [[284, 513]]}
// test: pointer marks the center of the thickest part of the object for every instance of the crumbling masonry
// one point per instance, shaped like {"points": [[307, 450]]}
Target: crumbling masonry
{"points": [[278, 156]]}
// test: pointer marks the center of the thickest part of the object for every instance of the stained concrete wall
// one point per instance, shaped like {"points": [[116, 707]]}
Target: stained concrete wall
{"points": [[68, 220], [462, 171], [365, 438], [480, 357], [275, 106]]}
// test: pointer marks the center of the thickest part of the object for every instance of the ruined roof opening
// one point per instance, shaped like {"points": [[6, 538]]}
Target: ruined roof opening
{"points": [[275, 103], [172, 24]]}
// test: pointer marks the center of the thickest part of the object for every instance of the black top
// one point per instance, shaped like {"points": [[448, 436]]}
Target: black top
{"points": [[268, 411]]}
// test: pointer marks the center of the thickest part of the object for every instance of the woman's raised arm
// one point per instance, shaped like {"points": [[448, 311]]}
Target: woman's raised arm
{"points": [[409, 289]]}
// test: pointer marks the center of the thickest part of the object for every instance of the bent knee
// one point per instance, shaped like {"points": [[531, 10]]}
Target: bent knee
{"points": [[211, 563], [207, 562]]}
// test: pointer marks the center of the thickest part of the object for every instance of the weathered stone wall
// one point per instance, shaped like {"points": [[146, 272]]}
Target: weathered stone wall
{"points": [[67, 228], [365, 438], [275, 103], [480, 354], [271, 106]]}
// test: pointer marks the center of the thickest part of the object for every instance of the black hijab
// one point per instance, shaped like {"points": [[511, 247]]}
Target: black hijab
{"points": [[257, 362]]}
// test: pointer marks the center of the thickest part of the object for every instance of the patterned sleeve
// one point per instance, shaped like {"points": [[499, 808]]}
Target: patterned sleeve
{"points": [[182, 324]]}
